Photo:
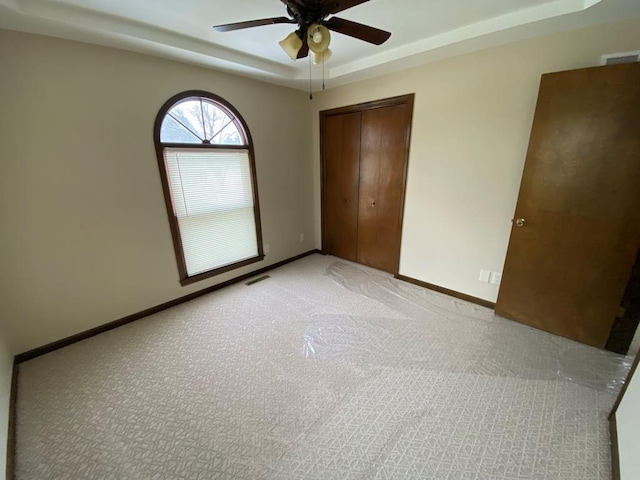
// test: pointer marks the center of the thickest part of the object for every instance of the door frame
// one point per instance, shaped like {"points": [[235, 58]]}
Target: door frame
{"points": [[613, 421], [407, 100]]}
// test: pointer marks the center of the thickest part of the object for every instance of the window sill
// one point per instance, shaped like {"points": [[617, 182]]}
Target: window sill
{"points": [[227, 268]]}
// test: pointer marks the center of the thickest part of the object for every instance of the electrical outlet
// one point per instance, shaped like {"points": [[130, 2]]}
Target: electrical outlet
{"points": [[266, 248], [496, 278], [485, 275], [301, 237]]}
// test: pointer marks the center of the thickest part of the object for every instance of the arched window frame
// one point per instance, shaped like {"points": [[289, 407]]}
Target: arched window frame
{"points": [[185, 278]]}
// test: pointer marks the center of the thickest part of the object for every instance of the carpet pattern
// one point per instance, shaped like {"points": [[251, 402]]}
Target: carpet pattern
{"points": [[326, 370]]}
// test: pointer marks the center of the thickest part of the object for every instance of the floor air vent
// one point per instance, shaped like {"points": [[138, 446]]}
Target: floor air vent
{"points": [[256, 280]]}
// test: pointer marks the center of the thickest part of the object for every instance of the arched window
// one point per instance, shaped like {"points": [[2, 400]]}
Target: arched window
{"points": [[206, 161]]}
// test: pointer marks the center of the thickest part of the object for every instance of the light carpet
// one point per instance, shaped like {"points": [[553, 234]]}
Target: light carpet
{"points": [[326, 370]]}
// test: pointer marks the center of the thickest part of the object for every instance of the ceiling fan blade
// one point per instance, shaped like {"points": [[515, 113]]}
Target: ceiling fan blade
{"points": [[304, 50], [229, 27], [329, 7], [357, 30]]}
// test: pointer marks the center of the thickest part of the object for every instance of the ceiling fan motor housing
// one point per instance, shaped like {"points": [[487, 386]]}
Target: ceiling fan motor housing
{"points": [[313, 26]]}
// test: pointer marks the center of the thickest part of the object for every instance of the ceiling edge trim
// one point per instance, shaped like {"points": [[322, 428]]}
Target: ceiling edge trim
{"points": [[493, 25], [118, 26]]}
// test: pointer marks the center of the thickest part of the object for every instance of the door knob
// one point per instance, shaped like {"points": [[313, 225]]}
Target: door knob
{"points": [[520, 222]]}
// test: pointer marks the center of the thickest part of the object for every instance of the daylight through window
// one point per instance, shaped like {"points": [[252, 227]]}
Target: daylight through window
{"points": [[206, 161]]}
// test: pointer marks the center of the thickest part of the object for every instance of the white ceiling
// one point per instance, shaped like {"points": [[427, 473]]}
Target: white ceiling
{"points": [[422, 30]]}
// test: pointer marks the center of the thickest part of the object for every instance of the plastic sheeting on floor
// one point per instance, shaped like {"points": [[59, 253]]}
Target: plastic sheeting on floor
{"points": [[326, 370], [449, 335]]}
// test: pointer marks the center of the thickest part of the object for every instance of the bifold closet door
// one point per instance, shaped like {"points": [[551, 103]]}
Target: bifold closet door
{"points": [[364, 155], [341, 173], [383, 144]]}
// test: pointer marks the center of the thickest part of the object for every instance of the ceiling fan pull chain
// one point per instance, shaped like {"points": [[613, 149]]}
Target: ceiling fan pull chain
{"points": [[323, 62]]}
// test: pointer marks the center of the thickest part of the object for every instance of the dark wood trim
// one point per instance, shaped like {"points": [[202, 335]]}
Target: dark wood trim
{"points": [[410, 99], [634, 367], [407, 100], [446, 291], [615, 452], [323, 181], [218, 271], [11, 431], [360, 107], [36, 352], [207, 146], [184, 277]]}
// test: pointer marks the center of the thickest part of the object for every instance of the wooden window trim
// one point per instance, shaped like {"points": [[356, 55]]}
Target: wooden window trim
{"points": [[185, 279]]}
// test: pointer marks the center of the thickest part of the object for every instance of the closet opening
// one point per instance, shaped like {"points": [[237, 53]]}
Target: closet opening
{"points": [[364, 159]]}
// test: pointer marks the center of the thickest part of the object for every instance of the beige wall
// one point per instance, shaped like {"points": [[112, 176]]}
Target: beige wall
{"points": [[635, 344], [84, 237], [471, 127]]}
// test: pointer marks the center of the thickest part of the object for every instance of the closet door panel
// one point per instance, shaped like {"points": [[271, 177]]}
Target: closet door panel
{"points": [[369, 204], [384, 136], [341, 173]]}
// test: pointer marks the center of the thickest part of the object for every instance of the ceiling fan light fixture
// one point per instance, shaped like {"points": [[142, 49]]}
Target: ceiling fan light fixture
{"points": [[315, 20], [323, 57], [318, 38], [292, 45]]}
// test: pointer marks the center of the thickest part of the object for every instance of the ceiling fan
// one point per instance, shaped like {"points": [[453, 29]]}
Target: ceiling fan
{"points": [[313, 27]]}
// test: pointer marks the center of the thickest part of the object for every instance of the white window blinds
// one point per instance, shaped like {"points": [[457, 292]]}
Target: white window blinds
{"points": [[212, 198]]}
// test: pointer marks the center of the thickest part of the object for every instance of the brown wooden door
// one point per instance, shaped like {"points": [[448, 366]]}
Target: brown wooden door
{"points": [[568, 265], [341, 173], [365, 150], [381, 192]]}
